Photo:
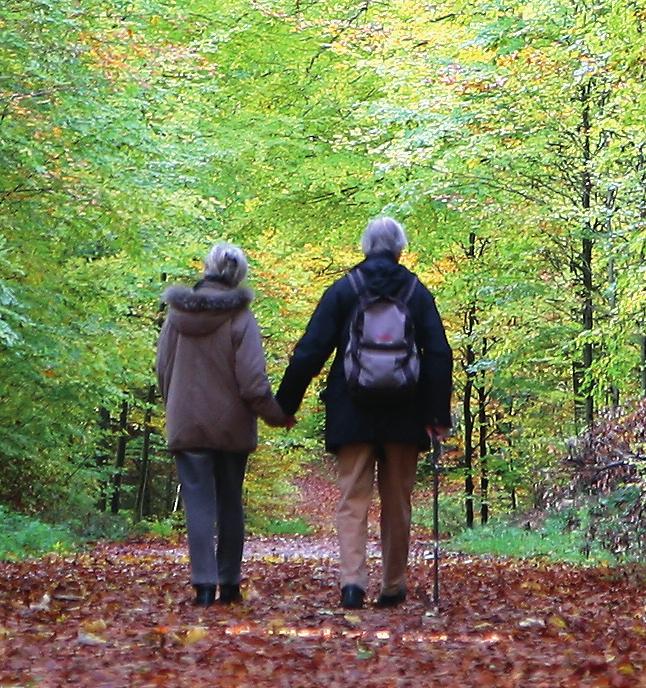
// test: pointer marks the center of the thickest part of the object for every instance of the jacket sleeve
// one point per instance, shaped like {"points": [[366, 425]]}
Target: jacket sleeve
{"points": [[163, 363], [312, 351], [250, 371], [437, 363]]}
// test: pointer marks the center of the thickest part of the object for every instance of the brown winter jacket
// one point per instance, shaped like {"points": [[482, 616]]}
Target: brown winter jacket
{"points": [[211, 370]]}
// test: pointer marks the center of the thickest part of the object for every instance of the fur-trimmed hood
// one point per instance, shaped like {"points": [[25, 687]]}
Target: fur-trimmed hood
{"points": [[201, 310]]}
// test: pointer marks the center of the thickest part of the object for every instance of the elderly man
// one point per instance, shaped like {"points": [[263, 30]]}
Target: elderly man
{"points": [[384, 433]]}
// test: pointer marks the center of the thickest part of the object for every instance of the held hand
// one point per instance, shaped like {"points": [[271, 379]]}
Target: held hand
{"points": [[439, 432]]}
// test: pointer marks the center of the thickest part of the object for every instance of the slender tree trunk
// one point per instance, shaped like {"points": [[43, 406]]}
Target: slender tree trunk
{"points": [[103, 456], [612, 302], [468, 448], [482, 450], [611, 196], [470, 320], [585, 257], [169, 494], [588, 323], [641, 165], [120, 458], [514, 502], [143, 490], [583, 382]]}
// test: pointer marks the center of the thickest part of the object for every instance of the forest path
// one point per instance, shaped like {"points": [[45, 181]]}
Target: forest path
{"points": [[120, 616]]}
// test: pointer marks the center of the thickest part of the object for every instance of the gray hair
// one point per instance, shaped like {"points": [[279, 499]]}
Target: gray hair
{"points": [[383, 234], [227, 263]]}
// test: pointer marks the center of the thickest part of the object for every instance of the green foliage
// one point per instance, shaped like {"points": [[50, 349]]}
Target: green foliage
{"points": [[596, 530], [617, 522], [451, 515], [133, 135], [554, 541], [261, 524], [165, 528], [98, 525], [23, 536]]}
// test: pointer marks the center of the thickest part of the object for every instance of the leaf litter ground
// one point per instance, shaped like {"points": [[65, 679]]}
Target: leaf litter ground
{"points": [[120, 615]]}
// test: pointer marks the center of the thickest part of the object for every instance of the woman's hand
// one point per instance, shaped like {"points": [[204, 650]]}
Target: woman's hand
{"points": [[439, 432]]}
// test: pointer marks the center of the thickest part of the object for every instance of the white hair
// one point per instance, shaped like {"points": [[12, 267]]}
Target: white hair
{"points": [[227, 263], [383, 234]]}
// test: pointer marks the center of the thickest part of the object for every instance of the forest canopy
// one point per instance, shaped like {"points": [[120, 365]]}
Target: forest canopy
{"points": [[508, 137]]}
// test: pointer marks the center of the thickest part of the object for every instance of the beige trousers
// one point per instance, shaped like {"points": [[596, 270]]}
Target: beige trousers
{"points": [[396, 470]]}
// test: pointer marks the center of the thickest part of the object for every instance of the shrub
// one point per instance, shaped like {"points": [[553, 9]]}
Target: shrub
{"points": [[451, 514], [263, 525], [24, 536]]}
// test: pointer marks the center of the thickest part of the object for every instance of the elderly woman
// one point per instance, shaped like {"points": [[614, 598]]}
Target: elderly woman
{"points": [[385, 435], [211, 372]]}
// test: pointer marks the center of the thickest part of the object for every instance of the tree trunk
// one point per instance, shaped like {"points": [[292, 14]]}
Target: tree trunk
{"points": [[121, 457], [469, 360], [103, 456], [588, 322], [611, 197], [143, 490], [641, 164], [169, 492], [482, 450], [468, 446], [585, 256]]}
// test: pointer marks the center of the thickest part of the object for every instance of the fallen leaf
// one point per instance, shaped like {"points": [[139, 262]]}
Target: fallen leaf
{"points": [[195, 634], [95, 626], [352, 618], [89, 639], [43, 605], [626, 669], [557, 621], [532, 623]]}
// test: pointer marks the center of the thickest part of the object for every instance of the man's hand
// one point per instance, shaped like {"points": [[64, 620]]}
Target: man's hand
{"points": [[439, 432], [290, 422]]}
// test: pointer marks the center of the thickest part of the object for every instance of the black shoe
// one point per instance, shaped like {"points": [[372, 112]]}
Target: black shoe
{"points": [[352, 597], [390, 600], [204, 595], [229, 593]]}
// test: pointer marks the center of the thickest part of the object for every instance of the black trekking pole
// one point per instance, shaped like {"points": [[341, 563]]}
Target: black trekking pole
{"points": [[436, 455]]}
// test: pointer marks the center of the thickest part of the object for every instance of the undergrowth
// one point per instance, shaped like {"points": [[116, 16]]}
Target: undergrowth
{"points": [[24, 536], [552, 541]]}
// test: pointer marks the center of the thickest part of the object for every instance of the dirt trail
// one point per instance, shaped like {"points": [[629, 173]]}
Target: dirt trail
{"points": [[120, 616]]}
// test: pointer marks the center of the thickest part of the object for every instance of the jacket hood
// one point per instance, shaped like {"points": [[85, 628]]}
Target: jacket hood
{"points": [[384, 275], [203, 309]]}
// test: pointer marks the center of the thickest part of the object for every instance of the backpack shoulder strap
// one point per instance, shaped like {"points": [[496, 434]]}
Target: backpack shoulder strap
{"points": [[357, 282], [408, 289]]}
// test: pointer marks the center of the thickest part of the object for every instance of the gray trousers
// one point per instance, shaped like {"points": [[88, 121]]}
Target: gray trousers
{"points": [[212, 494]]}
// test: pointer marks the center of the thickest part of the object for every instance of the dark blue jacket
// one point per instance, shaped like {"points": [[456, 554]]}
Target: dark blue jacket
{"points": [[347, 421]]}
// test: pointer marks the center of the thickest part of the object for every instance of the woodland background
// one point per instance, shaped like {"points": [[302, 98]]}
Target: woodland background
{"points": [[507, 135]]}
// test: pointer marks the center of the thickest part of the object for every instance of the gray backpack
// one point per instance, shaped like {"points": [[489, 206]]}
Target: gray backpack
{"points": [[381, 361]]}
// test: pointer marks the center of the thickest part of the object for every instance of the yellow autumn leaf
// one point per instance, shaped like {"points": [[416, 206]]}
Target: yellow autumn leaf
{"points": [[275, 625], [195, 634], [557, 622], [352, 618], [532, 585], [95, 626], [626, 669]]}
